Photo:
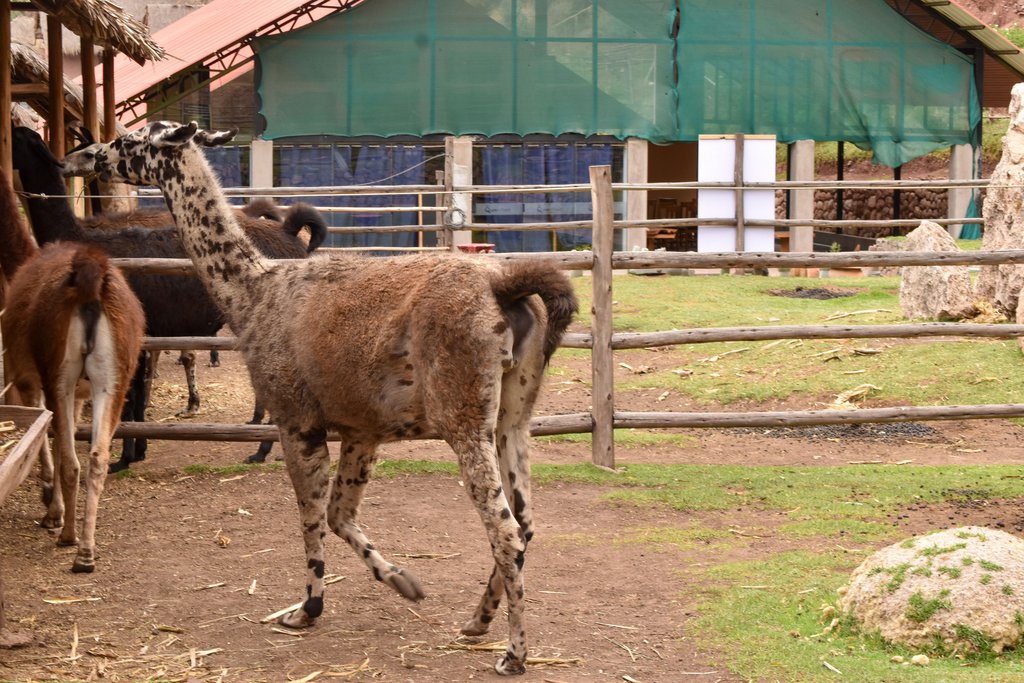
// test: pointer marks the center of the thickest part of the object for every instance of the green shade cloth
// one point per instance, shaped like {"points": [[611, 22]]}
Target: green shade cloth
{"points": [[850, 70]]}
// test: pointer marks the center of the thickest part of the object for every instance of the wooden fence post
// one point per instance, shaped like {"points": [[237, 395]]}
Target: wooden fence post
{"points": [[602, 361]]}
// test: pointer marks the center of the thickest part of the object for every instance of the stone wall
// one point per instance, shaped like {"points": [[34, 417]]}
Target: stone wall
{"points": [[873, 205]]}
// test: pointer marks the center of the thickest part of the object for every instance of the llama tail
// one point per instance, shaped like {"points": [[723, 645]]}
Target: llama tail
{"points": [[85, 284], [525, 278], [301, 216], [260, 207]]}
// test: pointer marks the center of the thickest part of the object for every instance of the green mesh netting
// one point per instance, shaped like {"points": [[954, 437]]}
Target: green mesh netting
{"points": [[850, 70]]}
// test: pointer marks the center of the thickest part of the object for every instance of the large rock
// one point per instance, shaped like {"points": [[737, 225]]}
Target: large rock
{"points": [[935, 292], [1004, 215], [961, 589]]}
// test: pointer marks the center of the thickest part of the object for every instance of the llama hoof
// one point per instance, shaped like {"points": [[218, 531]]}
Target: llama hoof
{"points": [[473, 627], [52, 522], [510, 666], [119, 466], [187, 412], [83, 566], [256, 458], [66, 542], [297, 618], [405, 584]]}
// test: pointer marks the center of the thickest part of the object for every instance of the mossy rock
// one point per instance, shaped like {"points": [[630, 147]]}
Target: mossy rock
{"points": [[957, 590]]}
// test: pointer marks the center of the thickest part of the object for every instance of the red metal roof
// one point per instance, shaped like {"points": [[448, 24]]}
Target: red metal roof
{"points": [[201, 34]]}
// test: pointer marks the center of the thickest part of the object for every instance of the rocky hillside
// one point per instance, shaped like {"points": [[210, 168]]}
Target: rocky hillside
{"points": [[996, 12]]}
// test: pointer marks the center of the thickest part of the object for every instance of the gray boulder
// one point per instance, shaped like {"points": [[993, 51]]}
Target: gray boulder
{"points": [[959, 590], [935, 292]]}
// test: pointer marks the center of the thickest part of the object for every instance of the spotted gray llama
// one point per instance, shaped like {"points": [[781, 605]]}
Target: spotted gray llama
{"points": [[450, 346]]}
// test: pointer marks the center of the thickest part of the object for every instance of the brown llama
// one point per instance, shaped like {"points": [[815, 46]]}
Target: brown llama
{"points": [[70, 318], [374, 349]]}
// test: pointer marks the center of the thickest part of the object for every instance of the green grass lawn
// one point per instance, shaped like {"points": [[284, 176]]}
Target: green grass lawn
{"points": [[915, 372]]}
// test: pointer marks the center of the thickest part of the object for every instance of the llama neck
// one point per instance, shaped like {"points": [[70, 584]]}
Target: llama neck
{"points": [[16, 246], [52, 216], [227, 262]]}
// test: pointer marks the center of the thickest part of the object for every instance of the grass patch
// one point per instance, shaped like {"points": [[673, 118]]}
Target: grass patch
{"points": [[230, 470], [776, 633], [629, 438], [856, 530], [920, 609], [679, 538], [396, 468]]}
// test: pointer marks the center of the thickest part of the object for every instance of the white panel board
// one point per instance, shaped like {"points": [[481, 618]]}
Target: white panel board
{"points": [[716, 157]]}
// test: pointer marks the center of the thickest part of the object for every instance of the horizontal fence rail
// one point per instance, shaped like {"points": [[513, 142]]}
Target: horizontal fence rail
{"points": [[602, 341]]}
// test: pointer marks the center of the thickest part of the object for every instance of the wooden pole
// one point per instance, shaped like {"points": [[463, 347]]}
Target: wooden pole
{"points": [[89, 102], [5, 89], [55, 56], [582, 423], [109, 116], [602, 359], [741, 238]]}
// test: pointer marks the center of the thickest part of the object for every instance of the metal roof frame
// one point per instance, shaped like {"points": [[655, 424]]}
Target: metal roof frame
{"points": [[222, 62]]}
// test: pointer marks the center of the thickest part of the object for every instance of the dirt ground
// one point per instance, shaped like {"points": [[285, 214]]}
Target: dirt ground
{"points": [[189, 565]]}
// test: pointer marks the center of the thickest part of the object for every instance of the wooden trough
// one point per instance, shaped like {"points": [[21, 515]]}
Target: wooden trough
{"points": [[15, 463]]}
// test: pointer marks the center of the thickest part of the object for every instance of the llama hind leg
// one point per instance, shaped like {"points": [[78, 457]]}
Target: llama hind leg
{"points": [[354, 469], [479, 469], [188, 361], [513, 459], [48, 481], [307, 459], [519, 392], [105, 416], [67, 468]]}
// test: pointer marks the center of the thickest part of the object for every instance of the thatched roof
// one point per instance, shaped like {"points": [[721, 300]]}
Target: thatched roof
{"points": [[22, 115], [27, 66], [107, 24]]}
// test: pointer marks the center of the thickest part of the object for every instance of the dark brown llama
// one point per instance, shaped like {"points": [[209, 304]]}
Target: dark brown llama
{"points": [[70, 320], [175, 306], [375, 349]]}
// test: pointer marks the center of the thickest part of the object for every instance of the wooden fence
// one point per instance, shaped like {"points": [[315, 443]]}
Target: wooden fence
{"points": [[602, 260]]}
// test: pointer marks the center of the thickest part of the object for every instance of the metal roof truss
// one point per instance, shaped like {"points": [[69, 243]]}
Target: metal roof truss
{"points": [[222, 62]]}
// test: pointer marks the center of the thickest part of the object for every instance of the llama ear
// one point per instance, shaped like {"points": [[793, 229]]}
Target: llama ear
{"points": [[209, 138], [171, 134]]}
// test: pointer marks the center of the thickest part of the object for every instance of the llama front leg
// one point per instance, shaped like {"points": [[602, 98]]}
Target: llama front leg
{"points": [[478, 465], [307, 459], [354, 469]]}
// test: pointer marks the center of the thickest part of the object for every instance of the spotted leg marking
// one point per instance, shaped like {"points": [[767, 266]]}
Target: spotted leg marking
{"points": [[307, 459], [479, 469], [354, 469]]}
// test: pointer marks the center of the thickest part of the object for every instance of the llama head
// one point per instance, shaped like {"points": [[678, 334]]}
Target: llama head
{"points": [[32, 158], [145, 156]]}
